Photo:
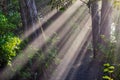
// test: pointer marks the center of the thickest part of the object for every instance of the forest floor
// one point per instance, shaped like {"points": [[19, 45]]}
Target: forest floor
{"points": [[88, 68]]}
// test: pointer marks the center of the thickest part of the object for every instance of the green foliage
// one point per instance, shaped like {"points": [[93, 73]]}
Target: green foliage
{"points": [[14, 18], [107, 48], [44, 58], [8, 48], [108, 71], [13, 5], [108, 51], [62, 9], [5, 25], [107, 78], [10, 20], [9, 23], [60, 4], [13, 13], [107, 65], [117, 72], [25, 74], [117, 4]]}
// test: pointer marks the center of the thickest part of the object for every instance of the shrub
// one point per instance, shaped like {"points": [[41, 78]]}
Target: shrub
{"points": [[5, 26], [9, 44], [14, 18]]}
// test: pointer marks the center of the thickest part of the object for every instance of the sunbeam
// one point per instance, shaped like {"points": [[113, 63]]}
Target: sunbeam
{"points": [[23, 58]]}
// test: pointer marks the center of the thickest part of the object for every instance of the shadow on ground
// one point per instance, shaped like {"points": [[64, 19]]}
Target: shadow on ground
{"points": [[86, 69]]}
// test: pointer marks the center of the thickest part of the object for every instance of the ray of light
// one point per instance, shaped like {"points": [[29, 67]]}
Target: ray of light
{"points": [[23, 58]]}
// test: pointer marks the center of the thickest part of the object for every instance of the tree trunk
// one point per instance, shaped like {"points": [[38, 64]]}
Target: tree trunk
{"points": [[105, 29], [106, 20], [28, 13], [95, 25]]}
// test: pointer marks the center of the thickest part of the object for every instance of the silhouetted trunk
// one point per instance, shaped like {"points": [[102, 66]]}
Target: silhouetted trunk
{"points": [[95, 25], [106, 20], [28, 13]]}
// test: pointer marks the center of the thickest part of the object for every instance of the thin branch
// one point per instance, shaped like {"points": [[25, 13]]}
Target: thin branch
{"points": [[83, 2]]}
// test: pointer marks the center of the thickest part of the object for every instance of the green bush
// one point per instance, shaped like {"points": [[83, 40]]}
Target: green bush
{"points": [[9, 44], [13, 5], [14, 18], [5, 25]]}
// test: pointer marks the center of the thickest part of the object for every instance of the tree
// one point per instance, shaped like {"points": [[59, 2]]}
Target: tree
{"points": [[106, 20], [105, 45], [94, 7], [94, 10], [28, 13]]}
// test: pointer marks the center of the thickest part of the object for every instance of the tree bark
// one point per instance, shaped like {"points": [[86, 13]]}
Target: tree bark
{"points": [[95, 25], [105, 29], [106, 20], [28, 13]]}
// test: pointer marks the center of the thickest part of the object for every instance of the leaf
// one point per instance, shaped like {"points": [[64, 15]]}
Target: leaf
{"points": [[107, 65], [111, 71], [106, 77], [106, 70], [111, 67]]}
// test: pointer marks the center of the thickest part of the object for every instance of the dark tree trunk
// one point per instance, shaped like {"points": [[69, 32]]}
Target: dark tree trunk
{"points": [[95, 25], [28, 13]]}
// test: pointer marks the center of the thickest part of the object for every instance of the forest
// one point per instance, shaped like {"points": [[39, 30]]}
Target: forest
{"points": [[59, 39]]}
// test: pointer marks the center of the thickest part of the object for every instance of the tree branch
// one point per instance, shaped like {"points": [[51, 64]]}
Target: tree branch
{"points": [[83, 2]]}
